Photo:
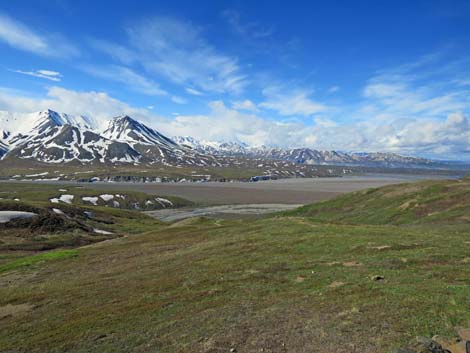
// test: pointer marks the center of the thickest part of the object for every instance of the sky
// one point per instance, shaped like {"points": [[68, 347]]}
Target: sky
{"points": [[390, 76]]}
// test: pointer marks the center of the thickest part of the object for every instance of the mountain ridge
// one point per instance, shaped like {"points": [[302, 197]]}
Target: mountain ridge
{"points": [[53, 137]]}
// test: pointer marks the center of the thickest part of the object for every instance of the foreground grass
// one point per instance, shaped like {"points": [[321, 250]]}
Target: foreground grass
{"points": [[362, 273], [36, 259], [284, 284]]}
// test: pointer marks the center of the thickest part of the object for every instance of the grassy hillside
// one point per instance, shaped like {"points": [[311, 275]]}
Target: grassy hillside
{"points": [[429, 202], [280, 284], [70, 223]]}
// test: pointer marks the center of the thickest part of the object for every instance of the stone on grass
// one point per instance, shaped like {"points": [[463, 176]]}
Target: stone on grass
{"points": [[423, 345]]}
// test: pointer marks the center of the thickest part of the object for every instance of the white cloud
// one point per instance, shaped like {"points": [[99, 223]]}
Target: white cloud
{"points": [[178, 51], [251, 30], [225, 124], [449, 137], [97, 105], [50, 73], [46, 74], [415, 91], [333, 89], [128, 77], [19, 36], [178, 100], [116, 51], [245, 105], [288, 104], [193, 91]]}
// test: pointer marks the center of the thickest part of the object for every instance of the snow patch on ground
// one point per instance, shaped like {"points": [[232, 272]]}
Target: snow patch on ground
{"points": [[163, 202], [36, 175], [66, 198], [58, 211], [107, 197], [100, 231], [91, 199]]}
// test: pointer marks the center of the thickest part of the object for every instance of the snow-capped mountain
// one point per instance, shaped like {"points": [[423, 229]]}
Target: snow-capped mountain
{"points": [[152, 145], [126, 129], [303, 155], [66, 143], [52, 137], [3, 142], [15, 123], [213, 147]]}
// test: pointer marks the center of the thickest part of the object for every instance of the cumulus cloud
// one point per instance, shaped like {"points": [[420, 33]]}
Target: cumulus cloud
{"points": [[245, 105], [449, 137], [97, 105], [46, 74], [19, 36]]}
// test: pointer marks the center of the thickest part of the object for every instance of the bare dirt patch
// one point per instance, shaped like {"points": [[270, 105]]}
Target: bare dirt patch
{"points": [[13, 310]]}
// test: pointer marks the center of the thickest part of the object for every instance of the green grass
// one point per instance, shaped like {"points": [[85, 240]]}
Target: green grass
{"points": [[296, 282], [50, 231], [428, 202], [40, 195], [36, 259]]}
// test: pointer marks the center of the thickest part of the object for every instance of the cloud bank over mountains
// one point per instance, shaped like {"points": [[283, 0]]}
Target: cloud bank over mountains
{"points": [[429, 136]]}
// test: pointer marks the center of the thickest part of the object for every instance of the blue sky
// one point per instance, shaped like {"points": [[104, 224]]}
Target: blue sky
{"points": [[346, 75]]}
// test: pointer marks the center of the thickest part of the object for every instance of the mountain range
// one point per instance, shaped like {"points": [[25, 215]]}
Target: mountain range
{"points": [[51, 137]]}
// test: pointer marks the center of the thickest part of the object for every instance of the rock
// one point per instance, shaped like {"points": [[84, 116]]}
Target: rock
{"points": [[381, 247], [464, 333], [423, 345], [444, 341], [336, 284], [334, 263], [376, 278], [460, 347]]}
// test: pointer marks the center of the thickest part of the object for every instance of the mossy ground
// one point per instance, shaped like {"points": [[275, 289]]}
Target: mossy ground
{"points": [[288, 283]]}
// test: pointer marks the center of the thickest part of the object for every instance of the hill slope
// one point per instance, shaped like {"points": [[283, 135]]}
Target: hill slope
{"points": [[280, 284], [440, 201]]}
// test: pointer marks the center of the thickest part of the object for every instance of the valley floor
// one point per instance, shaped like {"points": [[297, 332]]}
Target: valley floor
{"points": [[282, 191]]}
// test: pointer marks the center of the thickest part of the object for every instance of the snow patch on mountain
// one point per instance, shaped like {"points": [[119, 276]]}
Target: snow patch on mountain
{"points": [[52, 137]]}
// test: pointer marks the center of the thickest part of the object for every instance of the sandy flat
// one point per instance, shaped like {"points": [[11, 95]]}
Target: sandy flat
{"points": [[284, 191], [169, 215]]}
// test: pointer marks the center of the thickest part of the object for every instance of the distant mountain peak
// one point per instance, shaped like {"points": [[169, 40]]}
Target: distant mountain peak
{"points": [[53, 137], [126, 129]]}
